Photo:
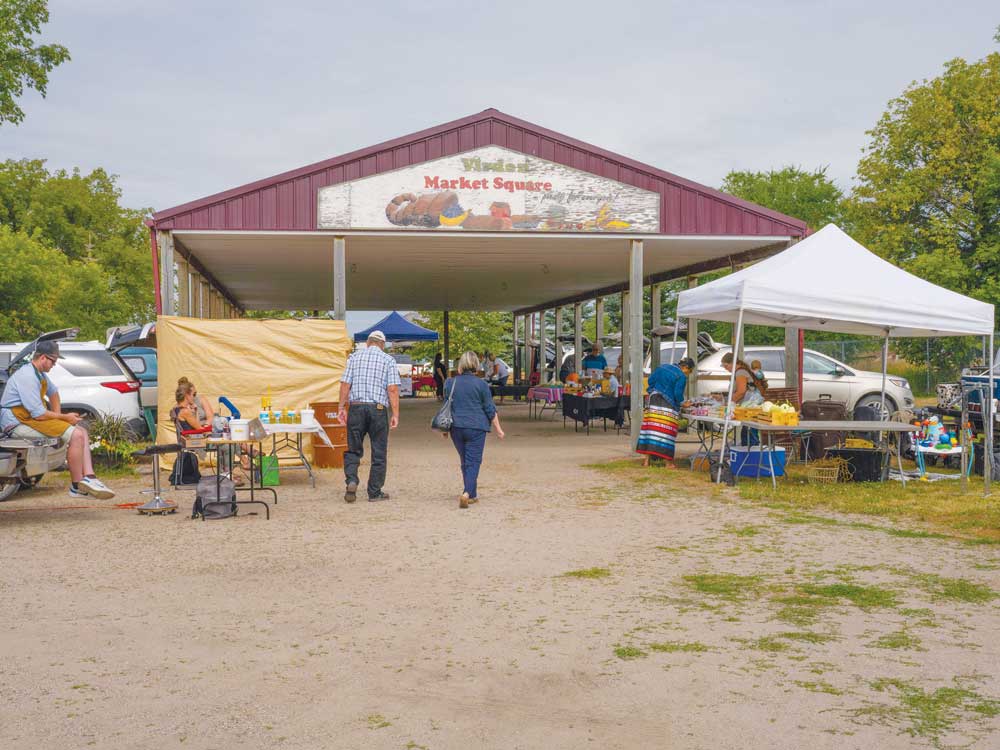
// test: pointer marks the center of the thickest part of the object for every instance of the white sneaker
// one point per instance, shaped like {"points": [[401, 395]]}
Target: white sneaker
{"points": [[73, 492], [96, 488]]}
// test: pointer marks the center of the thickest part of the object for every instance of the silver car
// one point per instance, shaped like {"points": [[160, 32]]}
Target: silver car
{"points": [[822, 378]]}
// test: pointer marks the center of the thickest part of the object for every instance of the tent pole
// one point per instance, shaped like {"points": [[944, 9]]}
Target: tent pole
{"points": [[885, 366], [732, 382], [988, 422]]}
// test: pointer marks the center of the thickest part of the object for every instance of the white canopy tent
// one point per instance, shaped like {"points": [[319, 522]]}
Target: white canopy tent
{"points": [[830, 282]]}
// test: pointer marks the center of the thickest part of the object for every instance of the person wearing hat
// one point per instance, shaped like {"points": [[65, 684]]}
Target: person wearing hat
{"points": [[658, 435], [30, 409], [613, 384], [369, 389]]}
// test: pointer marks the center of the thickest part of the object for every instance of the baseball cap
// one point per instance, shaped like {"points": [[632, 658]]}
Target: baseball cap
{"points": [[49, 349], [377, 335]]}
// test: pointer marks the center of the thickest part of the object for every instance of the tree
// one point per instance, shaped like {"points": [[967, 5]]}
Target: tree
{"points": [[22, 63], [810, 196], [94, 258], [468, 331], [928, 188]]}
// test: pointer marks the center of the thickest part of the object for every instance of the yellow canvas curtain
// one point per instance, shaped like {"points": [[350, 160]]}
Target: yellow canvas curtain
{"points": [[301, 360]]}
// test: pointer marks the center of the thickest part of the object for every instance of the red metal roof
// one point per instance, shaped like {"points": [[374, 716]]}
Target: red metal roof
{"points": [[287, 201]]}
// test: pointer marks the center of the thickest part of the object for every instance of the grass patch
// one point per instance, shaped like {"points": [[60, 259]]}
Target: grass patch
{"points": [[806, 636], [865, 597], [673, 647], [819, 686], [724, 585], [377, 721], [898, 640], [588, 573], [628, 653], [953, 589], [743, 530], [771, 644], [929, 714], [940, 505]]}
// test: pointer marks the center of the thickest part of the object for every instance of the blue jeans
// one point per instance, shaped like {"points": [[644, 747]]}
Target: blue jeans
{"points": [[469, 444]]}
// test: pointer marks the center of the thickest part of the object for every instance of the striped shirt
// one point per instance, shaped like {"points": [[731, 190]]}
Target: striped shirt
{"points": [[370, 372]]}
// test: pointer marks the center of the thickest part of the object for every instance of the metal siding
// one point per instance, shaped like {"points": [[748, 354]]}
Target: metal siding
{"points": [[531, 143], [435, 147], [303, 203], [482, 134], [515, 138], [467, 138], [269, 208], [291, 203], [234, 213], [498, 133], [251, 211]]}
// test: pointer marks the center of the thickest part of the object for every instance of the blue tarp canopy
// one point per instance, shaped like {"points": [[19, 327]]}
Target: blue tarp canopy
{"points": [[397, 328]]}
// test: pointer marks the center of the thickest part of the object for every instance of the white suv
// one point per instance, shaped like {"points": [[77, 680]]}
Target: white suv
{"points": [[822, 378], [91, 380]]}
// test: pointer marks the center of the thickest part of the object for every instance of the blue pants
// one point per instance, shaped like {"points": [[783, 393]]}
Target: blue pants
{"points": [[469, 444]]}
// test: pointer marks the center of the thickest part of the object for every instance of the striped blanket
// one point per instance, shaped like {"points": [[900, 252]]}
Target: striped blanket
{"points": [[659, 431]]}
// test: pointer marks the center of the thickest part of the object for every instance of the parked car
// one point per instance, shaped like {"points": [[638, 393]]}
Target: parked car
{"points": [[136, 345], [822, 378], [91, 380]]}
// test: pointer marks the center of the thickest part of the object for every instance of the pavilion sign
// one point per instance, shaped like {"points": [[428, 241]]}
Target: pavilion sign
{"points": [[489, 189]]}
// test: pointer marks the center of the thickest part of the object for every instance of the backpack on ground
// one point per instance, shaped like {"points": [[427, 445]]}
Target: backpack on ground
{"points": [[212, 505], [185, 470]]}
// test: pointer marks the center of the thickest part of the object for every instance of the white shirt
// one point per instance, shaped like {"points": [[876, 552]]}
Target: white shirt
{"points": [[502, 369]]}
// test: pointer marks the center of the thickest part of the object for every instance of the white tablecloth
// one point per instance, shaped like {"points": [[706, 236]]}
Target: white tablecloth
{"points": [[298, 429]]}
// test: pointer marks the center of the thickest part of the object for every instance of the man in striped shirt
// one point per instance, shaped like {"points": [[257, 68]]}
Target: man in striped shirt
{"points": [[368, 390]]}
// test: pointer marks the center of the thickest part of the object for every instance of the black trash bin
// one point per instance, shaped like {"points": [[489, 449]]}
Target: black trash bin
{"points": [[867, 464]]}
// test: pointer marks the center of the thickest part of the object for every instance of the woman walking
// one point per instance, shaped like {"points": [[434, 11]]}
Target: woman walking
{"points": [[658, 435], [473, 413], [440, 375]]}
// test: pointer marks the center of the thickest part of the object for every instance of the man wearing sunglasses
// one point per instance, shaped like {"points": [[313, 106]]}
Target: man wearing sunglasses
{"points": [[30, 408]]}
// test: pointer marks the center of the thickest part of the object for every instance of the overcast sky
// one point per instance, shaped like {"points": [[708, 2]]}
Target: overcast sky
{"points": [[184, 98]]}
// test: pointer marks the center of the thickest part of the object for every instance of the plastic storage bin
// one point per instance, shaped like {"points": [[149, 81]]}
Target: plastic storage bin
{"points": [[753, 461]]}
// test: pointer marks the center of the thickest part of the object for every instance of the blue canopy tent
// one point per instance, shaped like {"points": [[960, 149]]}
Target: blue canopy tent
{"points": [[397, 328]]}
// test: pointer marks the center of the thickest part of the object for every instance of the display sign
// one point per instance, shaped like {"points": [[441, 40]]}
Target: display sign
{"points": [[489, 189]]}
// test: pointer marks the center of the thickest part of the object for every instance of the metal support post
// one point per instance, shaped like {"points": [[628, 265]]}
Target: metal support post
{"points": [[635, 336], [165, 242], [558, 345], [339, 278], [447, 342], [577, 338], [625, 357], [599, 320], [655, 320], [543, 370], [692, 344]]}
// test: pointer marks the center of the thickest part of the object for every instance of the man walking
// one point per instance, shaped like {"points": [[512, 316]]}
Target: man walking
{"points": [[368, 390], [30, 409]]}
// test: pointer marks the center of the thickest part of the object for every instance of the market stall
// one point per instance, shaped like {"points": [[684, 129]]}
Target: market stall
{"points": [[830, 282], [290, 363]]}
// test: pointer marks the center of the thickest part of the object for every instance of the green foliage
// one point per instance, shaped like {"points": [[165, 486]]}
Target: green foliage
{"points": [[928, 189], [70, 255], [114, 440], [22, 63], [810, 196], [469, 331]]}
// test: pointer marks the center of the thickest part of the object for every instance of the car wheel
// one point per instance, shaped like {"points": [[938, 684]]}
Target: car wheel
{"points": [[874, 401], [7, 491]]}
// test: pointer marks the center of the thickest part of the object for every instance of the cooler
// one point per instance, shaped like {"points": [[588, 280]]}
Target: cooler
{"points": [[753, 461]]}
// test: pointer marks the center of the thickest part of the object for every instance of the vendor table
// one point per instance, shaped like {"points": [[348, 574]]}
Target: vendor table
{"points": [[768, 430], [220, 444], [517, 391], [423, 381], [287, 431], [583, 409], [547, 396]]}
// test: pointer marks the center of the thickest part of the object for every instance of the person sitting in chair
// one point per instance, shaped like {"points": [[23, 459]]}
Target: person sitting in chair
{"points": [[31, 409]]}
